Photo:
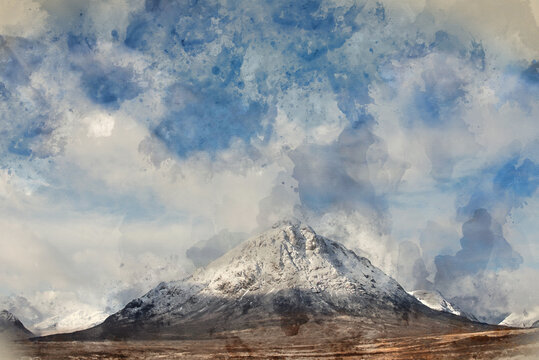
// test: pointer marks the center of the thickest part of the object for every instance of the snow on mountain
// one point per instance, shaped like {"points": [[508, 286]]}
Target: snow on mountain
{"points": [[435, 301], [286, 257], [524, 319], [11, 327], [287, 277], [26, 311], [53, 314], [77, 320]]}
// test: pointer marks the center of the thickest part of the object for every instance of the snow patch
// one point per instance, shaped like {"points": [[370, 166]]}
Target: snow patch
{"points": [[525, 319], [435, 300]]}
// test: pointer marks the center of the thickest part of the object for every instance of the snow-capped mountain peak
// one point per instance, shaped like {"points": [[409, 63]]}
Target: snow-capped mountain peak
{"points": [[282, 280], [11, 327], [435, 300], [7, 316], [524, 319], [287, 256]]}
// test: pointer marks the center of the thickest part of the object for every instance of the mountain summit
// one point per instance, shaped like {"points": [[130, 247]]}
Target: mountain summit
{"points": [[12, 328], [286, 281]]}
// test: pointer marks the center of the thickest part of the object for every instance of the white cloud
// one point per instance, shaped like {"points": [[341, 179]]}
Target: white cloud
{"points": [[100, 125]]}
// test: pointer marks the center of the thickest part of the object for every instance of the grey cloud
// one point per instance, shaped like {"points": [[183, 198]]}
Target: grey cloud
{"points": [[205, 251], [22, 309], [336, 176], [483, 248], [484, 252], [411, 270]]}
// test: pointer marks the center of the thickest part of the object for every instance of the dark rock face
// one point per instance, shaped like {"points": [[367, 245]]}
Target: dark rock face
{"points": [[12, 328], [286, 282]]}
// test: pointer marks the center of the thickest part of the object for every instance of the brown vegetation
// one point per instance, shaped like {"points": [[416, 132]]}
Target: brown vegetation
{"points": [[495, 344]]}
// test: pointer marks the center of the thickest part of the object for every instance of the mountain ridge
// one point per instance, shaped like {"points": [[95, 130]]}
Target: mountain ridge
{"points": [[436, 301], [12, 328]]}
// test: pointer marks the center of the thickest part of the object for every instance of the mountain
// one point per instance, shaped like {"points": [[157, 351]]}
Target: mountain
{"points": [[436, 301], [288, 281], [52, 314], [69, 321], [524, 319], [12, 328], [27, 313]]}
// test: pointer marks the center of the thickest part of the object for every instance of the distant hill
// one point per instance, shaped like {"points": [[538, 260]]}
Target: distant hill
{"points": [[12, 328], [436, 301], [525, 319]]}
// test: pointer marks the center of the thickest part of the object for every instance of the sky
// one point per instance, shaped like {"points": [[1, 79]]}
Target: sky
{"points": [[141, 139]]}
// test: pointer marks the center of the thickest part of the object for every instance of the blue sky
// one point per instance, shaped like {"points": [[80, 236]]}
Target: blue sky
{"points": [[132, 130]]}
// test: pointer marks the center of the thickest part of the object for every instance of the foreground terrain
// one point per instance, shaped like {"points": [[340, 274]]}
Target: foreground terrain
{"points": [[496, 344]]}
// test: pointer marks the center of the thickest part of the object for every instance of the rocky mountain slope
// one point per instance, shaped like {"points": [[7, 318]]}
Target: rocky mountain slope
{"points": [[12, 328], [287, 281]]}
